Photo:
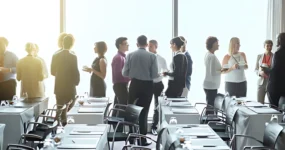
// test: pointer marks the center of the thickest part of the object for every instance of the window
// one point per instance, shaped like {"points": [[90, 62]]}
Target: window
{"points": [[223, 19], [106, 20], [31, 21]]}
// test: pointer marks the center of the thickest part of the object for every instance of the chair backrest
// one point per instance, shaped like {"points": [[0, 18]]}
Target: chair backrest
{"points": [[271, 134], [132, 113], [172, 141], [230, 114], [281, 104], [18, 147], [219, 101], [107, 110]]}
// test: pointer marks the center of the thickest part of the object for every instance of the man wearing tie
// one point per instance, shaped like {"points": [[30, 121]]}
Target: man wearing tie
{"points": [[65, 69], [8, 62], [141, 67]]}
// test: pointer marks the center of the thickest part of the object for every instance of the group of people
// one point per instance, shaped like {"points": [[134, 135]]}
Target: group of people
{"points": [[145, 69], [269, 69]]}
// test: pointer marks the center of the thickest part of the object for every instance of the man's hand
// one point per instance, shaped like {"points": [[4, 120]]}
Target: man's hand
{"points": [[4, 70]]}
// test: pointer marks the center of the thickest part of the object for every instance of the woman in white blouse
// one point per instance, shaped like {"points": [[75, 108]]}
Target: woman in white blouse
{"points": [[213, 70], [236, 84]]}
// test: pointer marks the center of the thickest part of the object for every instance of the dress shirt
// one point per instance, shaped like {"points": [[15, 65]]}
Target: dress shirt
{"points": [[162, 67], [117, 67], [141, 65], [10, 61]]}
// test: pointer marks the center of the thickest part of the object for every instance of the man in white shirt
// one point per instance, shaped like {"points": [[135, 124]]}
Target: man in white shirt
{"points": [[157, 82]]}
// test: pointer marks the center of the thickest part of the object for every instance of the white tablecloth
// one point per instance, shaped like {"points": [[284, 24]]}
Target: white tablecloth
{"points": [[85, 118], [14, 119], [39, 104]]}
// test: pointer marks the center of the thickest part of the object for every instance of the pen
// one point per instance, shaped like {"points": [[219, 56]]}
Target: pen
{"points": [[73, 141]]}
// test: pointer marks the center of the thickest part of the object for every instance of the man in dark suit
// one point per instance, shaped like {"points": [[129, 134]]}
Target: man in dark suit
{"points": [[65, 69], [276, 83]]}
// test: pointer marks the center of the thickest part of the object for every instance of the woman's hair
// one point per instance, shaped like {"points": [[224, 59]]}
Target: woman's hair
{"points": [[2, 47], [211, 40], [60, 39], [233, 41], [281, 39], [68, 41], [30, 47], [183, 47], [101, 48], [268, 42], [36, 46], [4, 40], [179, 42]]}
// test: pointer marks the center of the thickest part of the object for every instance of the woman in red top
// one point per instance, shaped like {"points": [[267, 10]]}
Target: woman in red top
{"points": [[263, 61]]}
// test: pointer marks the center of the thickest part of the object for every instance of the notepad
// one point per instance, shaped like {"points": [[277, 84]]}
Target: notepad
{"points": [[180, 104], [184, 111], [94, 104], [79, 143], [254, 104], [90, 110], [177, 99], [264, 110], [98, 99]]}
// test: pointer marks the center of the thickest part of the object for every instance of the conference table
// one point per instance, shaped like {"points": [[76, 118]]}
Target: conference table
{"points": [[180, 108], [83, 136], [16, 117], [198, 136]]}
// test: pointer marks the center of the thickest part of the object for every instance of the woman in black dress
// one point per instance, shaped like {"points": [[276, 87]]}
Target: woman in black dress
{"points": [[98, 70]]}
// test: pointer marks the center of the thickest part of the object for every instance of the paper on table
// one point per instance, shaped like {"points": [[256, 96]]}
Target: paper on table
{"points": [[12, 110], [180, 104], [90, 110], [254, 104], [177, 99], [97, 99], [198, 132], [184, 111], [79, 143], [264, 110], [95, 104]]}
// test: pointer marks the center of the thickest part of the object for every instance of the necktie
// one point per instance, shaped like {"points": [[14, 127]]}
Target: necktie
{"points": [[1, 65]]}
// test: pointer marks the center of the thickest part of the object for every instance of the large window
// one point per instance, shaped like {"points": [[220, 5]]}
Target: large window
{"points": [[106, 20], [31, 21], [224, 19]]}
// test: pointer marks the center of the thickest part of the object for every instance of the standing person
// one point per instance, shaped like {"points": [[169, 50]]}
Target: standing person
{"points": [[31, 74], [235, 79], [213, 70], [141, 67], [98, 70], [60, 42], [43, 61], [65, 69], [157, 82], [276, 81], [8, 62], [178, 67], [120, 82], [263, 60], [189, 69]]}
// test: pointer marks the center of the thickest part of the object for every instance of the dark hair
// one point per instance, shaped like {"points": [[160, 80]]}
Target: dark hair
{"points": [[142, 40], [101, 47], [119, 41], [281, 39], [4, 40], [210, 42], [268, 42], [68, 41], [153, 42], [178, 41]]}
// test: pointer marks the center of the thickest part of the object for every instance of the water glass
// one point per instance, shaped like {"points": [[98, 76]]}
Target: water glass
{"points": [[173, 121], [70, 120]]}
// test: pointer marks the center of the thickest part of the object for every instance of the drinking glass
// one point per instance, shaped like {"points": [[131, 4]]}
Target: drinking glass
{"points": [[173, 121]]}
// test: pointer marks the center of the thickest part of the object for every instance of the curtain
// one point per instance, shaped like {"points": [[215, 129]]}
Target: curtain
{"points": [[275, 19]]}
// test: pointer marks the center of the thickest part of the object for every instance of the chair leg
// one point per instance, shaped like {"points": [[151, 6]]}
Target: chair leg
{"points": [[108, 145]]}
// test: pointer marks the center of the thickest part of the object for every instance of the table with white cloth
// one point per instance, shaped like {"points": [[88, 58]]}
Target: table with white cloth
{"points": [[199, 136], [250, 120], [39, 104], [87, 115], [15, 120], [84, 136], [2, 127], [183, 111]]}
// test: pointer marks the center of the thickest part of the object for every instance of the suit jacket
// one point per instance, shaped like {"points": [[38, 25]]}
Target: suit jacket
{"points": [[65, 69], [258, 69], [276, 81], [30, 73]]}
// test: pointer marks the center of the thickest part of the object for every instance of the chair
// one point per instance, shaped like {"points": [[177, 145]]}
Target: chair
{"points": [[271, 134], [225, 128], [131, 119], [18, 147]]}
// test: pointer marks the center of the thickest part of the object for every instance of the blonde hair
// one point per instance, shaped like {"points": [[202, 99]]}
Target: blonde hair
{"points": [[30, 47], [60, 39], [2, 47], [233, 41]]}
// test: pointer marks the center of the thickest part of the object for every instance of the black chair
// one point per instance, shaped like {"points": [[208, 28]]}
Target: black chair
{"points": [[225, 128], [271, 134], [131, 119], [18, 147]]}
